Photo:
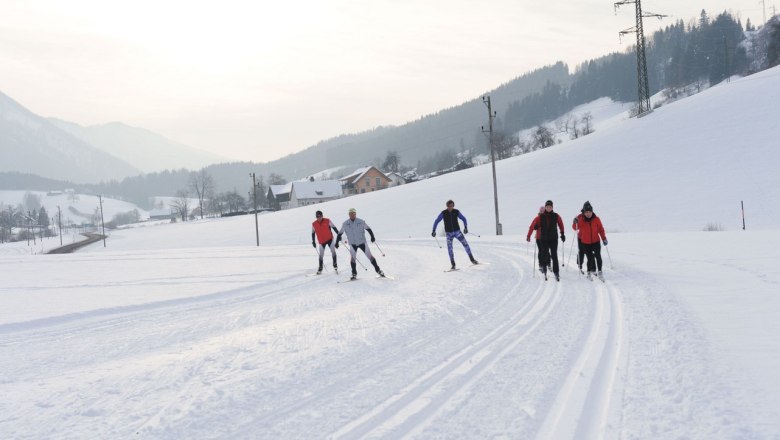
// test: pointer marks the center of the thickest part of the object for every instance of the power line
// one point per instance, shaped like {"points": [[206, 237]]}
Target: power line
{"points": [[641, 56]]}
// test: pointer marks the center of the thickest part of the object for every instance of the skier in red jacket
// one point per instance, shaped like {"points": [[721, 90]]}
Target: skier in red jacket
{"points": [[321, 229], [591, 230]]}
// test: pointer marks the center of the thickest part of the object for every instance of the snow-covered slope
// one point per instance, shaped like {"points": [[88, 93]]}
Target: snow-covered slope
{"points": [[190, 331], [145, 150], [32, 144]]}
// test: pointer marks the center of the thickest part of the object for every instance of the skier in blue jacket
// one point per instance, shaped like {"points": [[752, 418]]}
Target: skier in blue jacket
{"points": [[450, 217]]}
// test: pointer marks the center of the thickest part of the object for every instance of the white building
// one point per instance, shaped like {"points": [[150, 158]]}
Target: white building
{"points": [[305, 192], [396, 179]]}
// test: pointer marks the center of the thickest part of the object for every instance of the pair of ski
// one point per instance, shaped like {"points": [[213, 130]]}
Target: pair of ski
{"points": [[379, 277], [455, 269], [590, 276], [336, 271]]}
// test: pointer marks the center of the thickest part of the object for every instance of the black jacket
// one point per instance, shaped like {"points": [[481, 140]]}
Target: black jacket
{"points": [[547, 226]]}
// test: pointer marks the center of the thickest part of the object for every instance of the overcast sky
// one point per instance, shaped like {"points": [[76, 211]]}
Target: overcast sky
{"points": [[257, 80]]}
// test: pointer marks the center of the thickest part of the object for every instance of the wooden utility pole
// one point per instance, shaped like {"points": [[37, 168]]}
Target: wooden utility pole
{"points": [[491, 115], [59, 222], [254, 201], [102, 222]]}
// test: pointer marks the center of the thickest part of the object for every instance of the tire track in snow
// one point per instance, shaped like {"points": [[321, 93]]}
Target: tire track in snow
{"points": [[409, 410], [590, 396]]}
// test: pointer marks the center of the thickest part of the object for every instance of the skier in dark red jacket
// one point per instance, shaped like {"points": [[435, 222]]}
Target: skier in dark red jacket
{"points": [[590, 231], [320, 229], [547, 238]]}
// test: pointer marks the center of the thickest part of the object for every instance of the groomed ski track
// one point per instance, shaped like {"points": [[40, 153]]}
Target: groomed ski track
{"points": [[490, 351]]}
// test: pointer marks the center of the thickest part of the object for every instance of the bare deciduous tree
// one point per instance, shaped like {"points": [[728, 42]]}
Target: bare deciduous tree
{"points": [[392, 162], [587, 124], [504, 145], [542, 137], [180, 204], [202, 184]]}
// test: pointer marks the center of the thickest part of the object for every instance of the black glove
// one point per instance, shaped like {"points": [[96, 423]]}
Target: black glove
{"points": [[465, 230], [563, 238], [433, 234], [576, 220], [605, 242], [313, 245], [373, 239], [337, 245]]}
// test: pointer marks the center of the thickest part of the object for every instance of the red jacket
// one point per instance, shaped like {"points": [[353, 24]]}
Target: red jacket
{"points": [[322, 229], [534, 226], [589, 230]]}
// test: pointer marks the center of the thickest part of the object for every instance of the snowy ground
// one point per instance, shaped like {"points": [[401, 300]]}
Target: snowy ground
{"points": [[188, 330], [240, 343]]}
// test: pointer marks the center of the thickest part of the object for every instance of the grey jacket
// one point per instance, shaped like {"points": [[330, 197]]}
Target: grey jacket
{"points": [[355, 231]]}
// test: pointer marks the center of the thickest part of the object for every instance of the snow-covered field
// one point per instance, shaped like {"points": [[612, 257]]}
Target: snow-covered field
{"points": [[77, 208], [190, 331]]}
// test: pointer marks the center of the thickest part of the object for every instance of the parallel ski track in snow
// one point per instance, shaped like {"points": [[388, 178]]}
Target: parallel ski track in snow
{"points": [[463, 355], [407, 412], [590, 394]]}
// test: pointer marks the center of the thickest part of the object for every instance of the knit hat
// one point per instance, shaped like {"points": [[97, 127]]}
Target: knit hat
{"points": [[541, 209], [587, 207], [549, 202], [352, 211]]}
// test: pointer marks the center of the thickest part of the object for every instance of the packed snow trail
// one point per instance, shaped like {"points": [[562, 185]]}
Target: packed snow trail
{"points": [[242, 344]]}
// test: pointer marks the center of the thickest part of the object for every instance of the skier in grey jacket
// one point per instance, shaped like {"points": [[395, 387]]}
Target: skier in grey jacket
{"points": [[355, 229]]}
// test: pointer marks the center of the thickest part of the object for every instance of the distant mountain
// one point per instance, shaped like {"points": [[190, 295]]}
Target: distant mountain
{"points": [[455, 128], [31, 144], [141, 148]]}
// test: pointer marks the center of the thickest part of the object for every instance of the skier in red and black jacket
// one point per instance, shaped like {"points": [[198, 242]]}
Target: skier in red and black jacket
{"points": [[590, 230], [320, 229], [547, 238]]}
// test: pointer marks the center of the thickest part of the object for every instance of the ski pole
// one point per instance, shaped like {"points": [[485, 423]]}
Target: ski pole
{"points": [[610, 257], [317, 251], [563, 256], [379, 248], [534, 261], [356, 258], [471, 233], [437, 241], [570, 251]]}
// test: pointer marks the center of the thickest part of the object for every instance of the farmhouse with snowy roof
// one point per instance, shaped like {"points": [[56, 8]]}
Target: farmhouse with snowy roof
{"points": [[364, 180]]}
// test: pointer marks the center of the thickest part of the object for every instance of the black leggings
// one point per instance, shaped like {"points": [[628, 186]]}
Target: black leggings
{"points": [[593, 252], [548, 249]]}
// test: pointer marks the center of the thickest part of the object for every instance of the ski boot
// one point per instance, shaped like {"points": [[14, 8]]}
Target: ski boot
{"points": [[557, 277], [473, 261], [381, 274], [353, 277]]}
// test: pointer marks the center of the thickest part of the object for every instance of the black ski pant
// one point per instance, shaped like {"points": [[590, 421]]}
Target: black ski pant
{"points": [[548, 249], [353, 262], [593, 252]]}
